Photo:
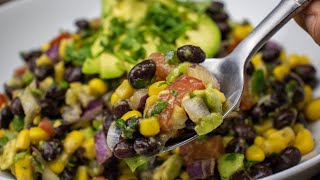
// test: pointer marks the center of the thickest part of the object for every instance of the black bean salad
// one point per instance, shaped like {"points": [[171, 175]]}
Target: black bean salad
{"points": [[57, 108]]}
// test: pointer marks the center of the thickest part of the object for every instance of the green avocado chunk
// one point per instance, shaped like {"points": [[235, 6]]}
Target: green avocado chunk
{"points": [[110, 66], [211, 99], [170, 169], [208, 123], [229, 164]]}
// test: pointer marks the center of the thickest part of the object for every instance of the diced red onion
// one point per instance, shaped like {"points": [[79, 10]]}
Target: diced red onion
{"points": [[53, 52], [138, 100], [201, 169], [103, 152], [92, 110]]}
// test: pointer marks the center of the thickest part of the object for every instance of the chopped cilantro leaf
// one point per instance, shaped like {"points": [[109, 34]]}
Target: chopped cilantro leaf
{"points": [[18, 123], [159, 107]]}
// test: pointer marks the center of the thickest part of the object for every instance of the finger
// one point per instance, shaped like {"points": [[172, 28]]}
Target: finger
{"points": [[309, 20]]}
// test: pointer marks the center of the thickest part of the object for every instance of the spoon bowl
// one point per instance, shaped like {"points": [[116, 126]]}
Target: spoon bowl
{"points": [[230, 70]]}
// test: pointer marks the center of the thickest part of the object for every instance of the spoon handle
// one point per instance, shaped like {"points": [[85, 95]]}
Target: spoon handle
{"points": [[278, 17]]}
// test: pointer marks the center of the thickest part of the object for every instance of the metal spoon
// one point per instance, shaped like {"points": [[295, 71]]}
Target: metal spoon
{"points": [[229, 70]]}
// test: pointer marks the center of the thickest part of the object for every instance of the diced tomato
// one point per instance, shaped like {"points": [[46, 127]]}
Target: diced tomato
{"points": [[3, 100], [180, 87], [58, 39], [47, 126], [202, 149], [20, 71], [162, 68]]}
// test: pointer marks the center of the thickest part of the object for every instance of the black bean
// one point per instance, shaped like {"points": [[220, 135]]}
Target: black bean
{"points": [[249, 68], [6, 117], [16, 107], [147, 146], [288, 157], [124, 149], [236, 118], [225, 29], [240, 175], [215, 7], [278, 98], [191, 53], [111, 170], [120, 108], [82, 24], [190, 125], [301, 119], [41, 72], [55, 92], [61, 131], [79, 158], [68, 173], [73, 74], [236, 145], [298, 95], [142, 74], [245, 131], [31, 56], [51, 149], [155, 162], [306, 72], [270, 55], [50, 108], [259, 112], [284, 118], [260, 170], [293, 77], [220, 17]]}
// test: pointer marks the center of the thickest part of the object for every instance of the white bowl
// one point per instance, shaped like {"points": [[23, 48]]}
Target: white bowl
{"points": [[29, 23]]}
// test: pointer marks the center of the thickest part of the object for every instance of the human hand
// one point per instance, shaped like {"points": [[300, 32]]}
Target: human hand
{"points": [[309, 20]]}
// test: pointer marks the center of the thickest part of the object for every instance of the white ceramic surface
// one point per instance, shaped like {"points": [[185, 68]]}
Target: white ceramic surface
{"points": [[26, 24]]}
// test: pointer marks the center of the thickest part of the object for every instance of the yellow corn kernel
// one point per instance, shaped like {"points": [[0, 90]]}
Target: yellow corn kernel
{"points": [[269, 132], [23, 168], [184, 176], [82, 173], [36, 120], [59, 71], [45, 47], [259, 140], [261, 128], [221, 96], [130, 114], [273, 146], [255, 153], [295, 60], [149, 127], [304, 141], [124, 91], [307, 96], [157, 87], [57, 123], [89, 151], [280, 71], [241, 31], [114, 98], [286, 135], [298, 127], [44, 60], [57, 165], [37, 134], [73, 141], [258, 63], [150, 102], [312, 111], [23, 140], [1, 133], [98, 86], [62, 47]]}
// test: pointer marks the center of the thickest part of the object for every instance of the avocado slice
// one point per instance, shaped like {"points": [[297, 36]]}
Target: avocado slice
{"points": [[110, 66], [91, 66], [207, 36], [229, 164], [208, 123], [170, 169]]}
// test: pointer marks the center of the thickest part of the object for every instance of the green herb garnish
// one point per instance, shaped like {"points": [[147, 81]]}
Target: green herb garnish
{"points": [[129, 128], [258, 83], [159, 107], [20, 155]]}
